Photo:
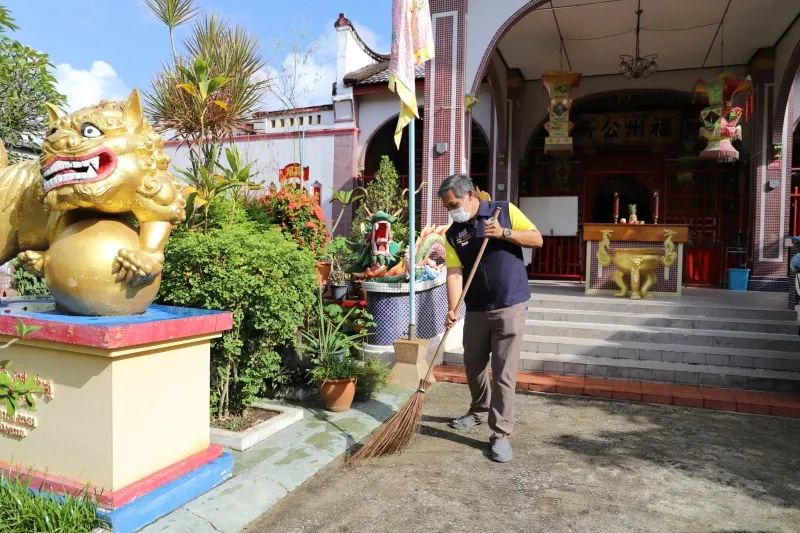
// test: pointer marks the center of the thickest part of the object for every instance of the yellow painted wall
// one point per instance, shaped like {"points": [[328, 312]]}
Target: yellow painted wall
{"points": [[160, 409], [116, 416]]}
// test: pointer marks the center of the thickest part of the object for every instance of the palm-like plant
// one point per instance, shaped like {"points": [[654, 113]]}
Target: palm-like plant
{"points": [[226, 53], [209, 95], [173, 13]]}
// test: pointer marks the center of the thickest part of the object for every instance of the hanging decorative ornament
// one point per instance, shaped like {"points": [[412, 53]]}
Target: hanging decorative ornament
{"points": [[559, 85], [721, 118]]}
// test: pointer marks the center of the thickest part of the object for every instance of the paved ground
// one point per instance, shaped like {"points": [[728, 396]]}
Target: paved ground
{"points": [[581, 464]]}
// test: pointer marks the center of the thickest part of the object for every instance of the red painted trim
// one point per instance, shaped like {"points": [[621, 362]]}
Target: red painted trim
{"points": [[273, 136], [110, 337], [382, 88], [113, 499]]}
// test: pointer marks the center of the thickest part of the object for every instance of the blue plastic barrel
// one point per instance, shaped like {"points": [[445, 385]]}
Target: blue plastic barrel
{"points": [[738, 278]]}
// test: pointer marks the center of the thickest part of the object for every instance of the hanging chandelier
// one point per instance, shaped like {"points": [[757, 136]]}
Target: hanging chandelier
{"points": [[635, 67]]}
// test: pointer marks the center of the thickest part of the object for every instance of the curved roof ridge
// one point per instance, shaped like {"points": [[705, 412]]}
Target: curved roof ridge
{"points": [[344, 21]]}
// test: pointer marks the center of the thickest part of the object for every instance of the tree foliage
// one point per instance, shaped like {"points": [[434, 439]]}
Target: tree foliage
{"points": [[173, 13], [26, 84], [383, 193]]}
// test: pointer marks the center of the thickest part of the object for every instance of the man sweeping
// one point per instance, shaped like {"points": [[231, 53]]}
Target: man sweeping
{"points": [[496, 303]]}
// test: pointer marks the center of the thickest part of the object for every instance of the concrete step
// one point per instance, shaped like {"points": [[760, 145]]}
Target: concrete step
{"points": [[651, 370], [666, 336], [669, 353], [676, 307], [691, 322]]}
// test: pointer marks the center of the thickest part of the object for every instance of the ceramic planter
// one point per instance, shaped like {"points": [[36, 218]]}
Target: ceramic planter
{"points": [[337, 394], [388, 304], [338, 292], [323, 270]]}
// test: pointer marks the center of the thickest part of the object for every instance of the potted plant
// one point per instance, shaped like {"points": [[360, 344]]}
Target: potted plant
{"points": [[330, 346], [340, 256], [338, 281], [372, 375]]}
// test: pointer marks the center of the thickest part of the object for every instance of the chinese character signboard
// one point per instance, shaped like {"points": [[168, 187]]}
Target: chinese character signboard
{"points": [[559, 85], [291, 174], [659, 128]]}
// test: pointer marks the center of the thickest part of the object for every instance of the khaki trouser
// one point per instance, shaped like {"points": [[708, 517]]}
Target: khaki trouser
{"points": [[499, 332]]}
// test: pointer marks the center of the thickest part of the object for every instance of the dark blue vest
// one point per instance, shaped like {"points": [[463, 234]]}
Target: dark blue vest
{"points": [[501, 280]]}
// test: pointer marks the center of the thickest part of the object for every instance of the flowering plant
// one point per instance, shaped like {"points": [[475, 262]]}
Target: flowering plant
{"points": [[299, 216]]}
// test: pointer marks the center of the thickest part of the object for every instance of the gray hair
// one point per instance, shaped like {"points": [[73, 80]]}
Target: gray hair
{"points": [[460, 184]]}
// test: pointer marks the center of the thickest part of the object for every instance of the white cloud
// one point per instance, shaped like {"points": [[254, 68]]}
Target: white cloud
{"points": [[87, 87], [308, 72]]}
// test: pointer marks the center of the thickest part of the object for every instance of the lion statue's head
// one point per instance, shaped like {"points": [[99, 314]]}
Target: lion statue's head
{"points": [[107, 158]]}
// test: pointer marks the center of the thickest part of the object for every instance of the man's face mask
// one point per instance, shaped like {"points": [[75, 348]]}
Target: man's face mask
{"points": [[461, 213]]}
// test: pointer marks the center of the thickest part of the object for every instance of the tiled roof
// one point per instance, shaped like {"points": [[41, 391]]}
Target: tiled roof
{"points": [[376, 73]]}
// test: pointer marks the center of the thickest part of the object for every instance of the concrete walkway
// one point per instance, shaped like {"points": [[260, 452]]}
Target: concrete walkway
{"points": [[272, 469], [581, 464]]}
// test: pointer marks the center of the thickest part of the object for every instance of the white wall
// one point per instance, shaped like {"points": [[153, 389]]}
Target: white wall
{"points": [[374, 110], [350, 56], [784, 51], [271, 155], [290, 121], [483, 20]]}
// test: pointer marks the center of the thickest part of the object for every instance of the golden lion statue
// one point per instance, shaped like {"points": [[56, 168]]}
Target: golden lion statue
{"points": [[93, 214]]}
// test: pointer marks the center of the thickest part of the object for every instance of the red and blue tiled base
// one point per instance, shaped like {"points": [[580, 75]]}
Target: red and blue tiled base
{"points": [[132, 507]]}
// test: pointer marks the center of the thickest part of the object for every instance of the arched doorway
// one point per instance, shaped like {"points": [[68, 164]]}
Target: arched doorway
{"points": [[382, 143], [653, 150]]}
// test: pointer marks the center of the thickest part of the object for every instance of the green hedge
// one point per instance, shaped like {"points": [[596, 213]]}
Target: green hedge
{"points": [[264, 280]]}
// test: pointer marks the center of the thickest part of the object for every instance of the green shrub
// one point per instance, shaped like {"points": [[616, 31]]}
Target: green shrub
{"points": [[23, 511], [26, 284], [373, 375], [264, 280]]}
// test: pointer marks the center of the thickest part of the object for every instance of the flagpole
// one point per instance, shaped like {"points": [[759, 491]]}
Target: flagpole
{"points": [[412, 200]]}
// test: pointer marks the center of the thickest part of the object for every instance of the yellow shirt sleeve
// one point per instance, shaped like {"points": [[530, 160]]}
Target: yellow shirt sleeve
{"points": [[451, 259], [518, 219]]}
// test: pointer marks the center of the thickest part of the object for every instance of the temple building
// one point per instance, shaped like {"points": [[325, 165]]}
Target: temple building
{"points": [[581, 112]]}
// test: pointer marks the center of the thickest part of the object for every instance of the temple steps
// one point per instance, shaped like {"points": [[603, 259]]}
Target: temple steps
{"points": [[691, 322], [676, 308], [670, 336], [711, 340]]}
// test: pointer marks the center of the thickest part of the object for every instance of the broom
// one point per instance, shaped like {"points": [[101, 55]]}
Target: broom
{"points": [[395, 435]]}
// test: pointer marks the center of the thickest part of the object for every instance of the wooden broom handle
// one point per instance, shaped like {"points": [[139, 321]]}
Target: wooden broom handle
{"points": [[472, 271]]}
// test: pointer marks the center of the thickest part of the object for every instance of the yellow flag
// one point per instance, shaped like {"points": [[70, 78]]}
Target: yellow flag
{"points": [[412, 45]]}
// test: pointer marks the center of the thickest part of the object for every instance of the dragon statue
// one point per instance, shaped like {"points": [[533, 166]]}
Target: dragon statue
{"points": [[378, 251], [94, 213], [380, 259]]}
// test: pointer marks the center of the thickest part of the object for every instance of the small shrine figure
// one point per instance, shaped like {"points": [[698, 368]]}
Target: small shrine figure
{"points": [[632, 218]]}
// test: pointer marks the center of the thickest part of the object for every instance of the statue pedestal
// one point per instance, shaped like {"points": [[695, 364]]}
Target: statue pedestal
{"points": [[124, 410]]}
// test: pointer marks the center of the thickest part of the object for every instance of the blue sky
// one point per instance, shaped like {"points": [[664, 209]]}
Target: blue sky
{"points": [[103, 48]]}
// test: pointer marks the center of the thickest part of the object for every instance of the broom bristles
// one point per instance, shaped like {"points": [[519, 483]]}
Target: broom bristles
{"points": [[396, 434]]}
